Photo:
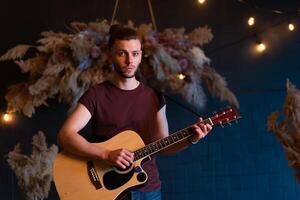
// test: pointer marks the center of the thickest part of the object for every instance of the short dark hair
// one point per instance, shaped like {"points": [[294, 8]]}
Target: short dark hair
{"points": [[119, 32]]}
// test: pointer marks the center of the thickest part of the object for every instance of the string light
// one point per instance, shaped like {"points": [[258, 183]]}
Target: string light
{"points": [[291, 27], [181, 76], [7, 117], [201, 1], [251, 21], [260, 47]]}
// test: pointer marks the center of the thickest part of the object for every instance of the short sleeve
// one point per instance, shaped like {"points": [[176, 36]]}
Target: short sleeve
{"points": [[161, 99], [88, 100]]}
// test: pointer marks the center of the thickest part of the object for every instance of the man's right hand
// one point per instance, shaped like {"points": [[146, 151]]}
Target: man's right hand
{"points": [[121, 158]]}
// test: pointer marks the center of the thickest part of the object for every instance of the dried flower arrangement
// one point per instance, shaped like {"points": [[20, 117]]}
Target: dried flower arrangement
{"points": [[34, 172], [65, 65], [288, 131]]}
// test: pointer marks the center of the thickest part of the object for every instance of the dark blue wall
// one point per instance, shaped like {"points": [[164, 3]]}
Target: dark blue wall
{"points": [[240, 162]]}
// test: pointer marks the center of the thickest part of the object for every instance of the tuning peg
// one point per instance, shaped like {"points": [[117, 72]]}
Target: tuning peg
{"points": [[221, 124]]}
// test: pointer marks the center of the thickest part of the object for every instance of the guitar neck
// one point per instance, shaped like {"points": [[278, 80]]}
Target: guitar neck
{"points": [[224, 117], [166, 142]]}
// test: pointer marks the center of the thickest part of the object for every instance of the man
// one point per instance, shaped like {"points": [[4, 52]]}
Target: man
{"points": [[123, 103]]}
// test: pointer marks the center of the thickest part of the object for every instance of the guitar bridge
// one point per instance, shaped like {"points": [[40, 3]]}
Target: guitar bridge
{"points": [[94, 178]]}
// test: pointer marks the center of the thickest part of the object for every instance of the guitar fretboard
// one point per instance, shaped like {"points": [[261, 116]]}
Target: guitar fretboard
{"points": [[174, 138]]}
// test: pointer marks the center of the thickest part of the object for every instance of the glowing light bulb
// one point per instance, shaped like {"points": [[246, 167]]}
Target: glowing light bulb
{"points": [[260, 47], [7, 117], [181, 76], [291, 27], [201, 1], [251, 21]]}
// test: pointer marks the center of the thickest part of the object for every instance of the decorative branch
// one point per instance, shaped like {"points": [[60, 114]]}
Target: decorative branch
{"points": [[288, 131], [34, 172], [66, 65]]}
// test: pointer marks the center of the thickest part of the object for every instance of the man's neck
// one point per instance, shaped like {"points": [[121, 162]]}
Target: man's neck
{"points": [[125, 83]]}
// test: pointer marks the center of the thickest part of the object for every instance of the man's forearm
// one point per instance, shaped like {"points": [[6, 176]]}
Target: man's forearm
{"points": [[78, 145]]}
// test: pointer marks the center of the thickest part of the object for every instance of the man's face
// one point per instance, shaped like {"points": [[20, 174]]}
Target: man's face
{"points": [[126, 56]]}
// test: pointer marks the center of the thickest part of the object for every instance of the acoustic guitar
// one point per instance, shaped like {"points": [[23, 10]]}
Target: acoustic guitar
{"points": [[78, 178]]}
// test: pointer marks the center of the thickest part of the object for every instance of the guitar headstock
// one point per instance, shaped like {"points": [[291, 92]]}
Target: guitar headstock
{"points": [[225, 117]]}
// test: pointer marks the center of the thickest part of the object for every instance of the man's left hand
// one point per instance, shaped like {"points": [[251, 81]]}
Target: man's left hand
{"points": [[201, 130]]}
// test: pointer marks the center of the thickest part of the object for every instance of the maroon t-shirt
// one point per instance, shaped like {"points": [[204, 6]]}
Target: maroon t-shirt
{"points": [[115, 110]]}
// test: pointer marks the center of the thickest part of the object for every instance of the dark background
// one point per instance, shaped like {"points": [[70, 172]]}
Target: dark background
{"points": [[243, 161]]}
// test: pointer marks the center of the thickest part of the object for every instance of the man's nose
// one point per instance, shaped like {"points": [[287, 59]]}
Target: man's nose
{"points": [[129, 59]]}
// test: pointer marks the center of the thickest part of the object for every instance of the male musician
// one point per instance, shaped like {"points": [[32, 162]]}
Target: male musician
{"points": [[123, 103]]}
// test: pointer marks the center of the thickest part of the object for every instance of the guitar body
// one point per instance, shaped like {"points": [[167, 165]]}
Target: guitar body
{"points": [[78, 178]]}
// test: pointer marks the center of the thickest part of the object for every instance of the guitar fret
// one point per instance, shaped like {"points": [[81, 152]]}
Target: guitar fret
{"points": [[171, 141], [159, 144], [180, 136], [143, 152], [162, 144], [166, 141], [137, 155], [184, 132], [153, 147], [175, 137], [147, 150]]}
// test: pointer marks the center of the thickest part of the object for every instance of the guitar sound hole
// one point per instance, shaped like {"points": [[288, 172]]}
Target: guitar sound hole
{"points": [[113, 180]]}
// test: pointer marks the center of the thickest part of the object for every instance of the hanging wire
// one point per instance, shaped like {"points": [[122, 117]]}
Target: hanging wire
{"points": [[152, 15], [182, 105], [115, 11], [150, 10], [254, 5], [252, 35]]}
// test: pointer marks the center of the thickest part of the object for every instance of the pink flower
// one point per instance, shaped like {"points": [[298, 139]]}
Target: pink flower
{"points": [[183, 64], [95, 52], [151, 40]]}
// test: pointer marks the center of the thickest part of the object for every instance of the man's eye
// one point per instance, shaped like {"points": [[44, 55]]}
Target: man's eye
{"points": [[121, 53], [135, 54]]}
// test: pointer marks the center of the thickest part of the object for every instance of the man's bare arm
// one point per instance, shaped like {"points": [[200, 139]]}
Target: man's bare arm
{"points": [[72, 141]]}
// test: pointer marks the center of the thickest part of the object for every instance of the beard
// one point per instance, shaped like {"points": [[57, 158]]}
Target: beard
{"points": [[123, 74]]}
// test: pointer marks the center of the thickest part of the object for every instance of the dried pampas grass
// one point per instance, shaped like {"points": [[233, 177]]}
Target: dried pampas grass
{"points": [[14, 53], [162, 63], [197, 57], [201, 36], [144, 30], [288, 131], [66, 65], [101, 27], [51, 41], [33, 65], [193, 92], [34, 172], [217, 86]]}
